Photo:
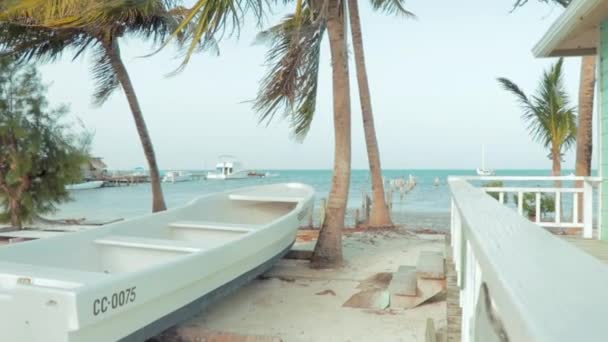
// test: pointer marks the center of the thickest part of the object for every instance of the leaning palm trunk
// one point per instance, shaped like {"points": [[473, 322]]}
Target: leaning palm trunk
{"points": [[584, 144], [379, 215], [328, 251], [113, 51]]}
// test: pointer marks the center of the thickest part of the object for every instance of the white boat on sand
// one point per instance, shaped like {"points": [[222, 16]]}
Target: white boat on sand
{"points": [[85, 185], [133, 279], [177, 176]]}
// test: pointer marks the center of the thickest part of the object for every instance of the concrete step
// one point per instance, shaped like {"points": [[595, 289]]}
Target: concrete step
{"points": [[431, 265], [404, 282]]}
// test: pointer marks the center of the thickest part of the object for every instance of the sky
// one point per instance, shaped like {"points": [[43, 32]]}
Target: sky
{"points": [[433, 85]]}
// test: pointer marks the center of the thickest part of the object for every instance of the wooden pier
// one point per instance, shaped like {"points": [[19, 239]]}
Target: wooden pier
{"points": [[125, 180]]}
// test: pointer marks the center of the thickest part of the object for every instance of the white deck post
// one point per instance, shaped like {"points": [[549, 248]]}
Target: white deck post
{"points": [[602, 81], [575, 207], [520, 203], [558, 207], [537, 202], [587, 210], [501, 197]]}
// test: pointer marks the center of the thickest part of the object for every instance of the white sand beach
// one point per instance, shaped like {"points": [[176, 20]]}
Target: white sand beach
{"points": [[295, 303]]}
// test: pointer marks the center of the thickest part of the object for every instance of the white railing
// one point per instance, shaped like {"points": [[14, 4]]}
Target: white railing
{"points": [[558, 192], [518, 282]]}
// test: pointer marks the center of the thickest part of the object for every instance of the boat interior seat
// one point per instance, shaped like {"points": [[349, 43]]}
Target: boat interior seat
{"points": [[147, 243], [218, 226]]}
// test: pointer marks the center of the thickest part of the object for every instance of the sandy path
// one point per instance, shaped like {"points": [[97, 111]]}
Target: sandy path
{"points": [[300, 304]]}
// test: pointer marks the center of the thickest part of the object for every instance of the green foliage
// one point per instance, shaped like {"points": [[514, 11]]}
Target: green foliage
{"points": [[495, 184], [550, 118], [290, 84], [547, 204], [40, 30], [39, 154], [563, 3]]}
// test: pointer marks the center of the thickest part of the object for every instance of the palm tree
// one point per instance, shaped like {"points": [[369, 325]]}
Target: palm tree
{"points": [[550, 118], [31, 34], [584, 140], [379, 213], [291, 85]]}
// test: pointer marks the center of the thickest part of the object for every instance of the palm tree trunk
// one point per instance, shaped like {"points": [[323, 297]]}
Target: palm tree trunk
{"points": [[556, 169], [584, 142], [379, 215], [328, 250], [15, 206], [158, 201]]}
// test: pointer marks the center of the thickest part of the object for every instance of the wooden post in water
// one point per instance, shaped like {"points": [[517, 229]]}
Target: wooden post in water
{"points": [[322, 212], [311, 222], [368, 203]]}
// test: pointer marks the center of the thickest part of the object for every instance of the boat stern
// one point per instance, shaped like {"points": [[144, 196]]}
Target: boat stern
{"points": [[32, 312]]}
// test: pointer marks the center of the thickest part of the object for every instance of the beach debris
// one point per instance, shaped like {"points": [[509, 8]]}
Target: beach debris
{"points": [[414, 286], [369, 299], [196, 333], [326, 292], [427, 291], [378, 281], [279, 277]]}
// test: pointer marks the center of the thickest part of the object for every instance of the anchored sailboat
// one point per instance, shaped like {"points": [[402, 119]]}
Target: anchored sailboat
{"points": [[483, 171]]}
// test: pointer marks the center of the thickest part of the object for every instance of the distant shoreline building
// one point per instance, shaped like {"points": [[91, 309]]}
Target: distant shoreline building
{"points": [[94, 169]]}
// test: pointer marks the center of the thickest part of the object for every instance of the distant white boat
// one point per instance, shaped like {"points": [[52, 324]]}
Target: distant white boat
{"points": [[482, 171], [177, 176], [85, 185], [130, 280], [229, 167]]}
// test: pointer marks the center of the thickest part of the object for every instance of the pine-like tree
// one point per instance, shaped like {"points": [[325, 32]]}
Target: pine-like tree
{"points": [[39, 152]]}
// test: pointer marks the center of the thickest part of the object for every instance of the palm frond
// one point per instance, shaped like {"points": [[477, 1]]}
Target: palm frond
{"points": [[211, 20], [549, 117], [104, 75], [521, 3], [290, 85], [394, 7], [37, 30], [38, 43]]}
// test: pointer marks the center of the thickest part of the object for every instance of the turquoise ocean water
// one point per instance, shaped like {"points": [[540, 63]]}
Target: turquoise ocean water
{"points": [[425, 198]]}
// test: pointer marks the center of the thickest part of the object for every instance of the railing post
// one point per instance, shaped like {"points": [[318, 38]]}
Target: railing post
{"points": [[466, 296], [501, 197], [537, 202], [587, 210], [558, 207], [575, 207], [520, 203]]}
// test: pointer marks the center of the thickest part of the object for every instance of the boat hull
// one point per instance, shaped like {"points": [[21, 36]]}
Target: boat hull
{"points": [[108, 288], [200, 304], [85, 185], [237, 175]]}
